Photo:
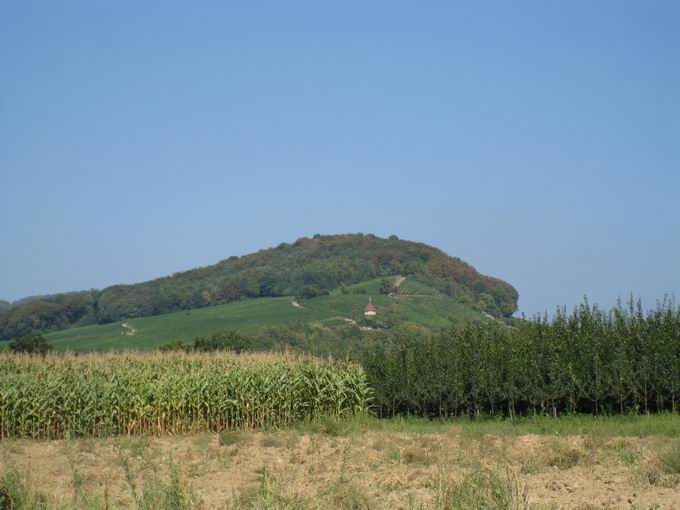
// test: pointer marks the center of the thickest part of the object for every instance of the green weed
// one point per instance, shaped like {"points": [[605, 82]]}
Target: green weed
{"points": [[173, 495], [14, 493], [627, 455], [670, 461], [344, 495], [482, 489], [267, 495]]}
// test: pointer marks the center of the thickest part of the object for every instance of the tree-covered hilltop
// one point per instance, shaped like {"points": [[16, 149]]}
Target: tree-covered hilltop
{"points": [[306, 268]]}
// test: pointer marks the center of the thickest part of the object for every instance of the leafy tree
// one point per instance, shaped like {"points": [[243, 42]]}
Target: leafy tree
{"points": [[385, 286], [30, 344]]}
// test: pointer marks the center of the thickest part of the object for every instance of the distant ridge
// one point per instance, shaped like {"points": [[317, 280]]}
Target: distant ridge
{"points": [[306, 268]]}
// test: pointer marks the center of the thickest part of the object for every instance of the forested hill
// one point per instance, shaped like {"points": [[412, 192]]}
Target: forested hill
{"points": [[306, 268]]}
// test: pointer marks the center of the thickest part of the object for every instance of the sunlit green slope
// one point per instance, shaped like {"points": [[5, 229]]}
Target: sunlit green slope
{"points": [[415, 302]]}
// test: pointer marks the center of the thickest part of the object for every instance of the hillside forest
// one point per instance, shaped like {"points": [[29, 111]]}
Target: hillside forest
{"points": [[307, 268]]}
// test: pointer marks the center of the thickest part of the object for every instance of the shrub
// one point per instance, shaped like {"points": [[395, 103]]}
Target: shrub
{"points": [[30, 344], [225, 341], [175, 345]]}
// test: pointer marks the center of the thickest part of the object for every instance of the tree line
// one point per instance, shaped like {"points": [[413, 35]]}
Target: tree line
{"points": [[588, 361]]}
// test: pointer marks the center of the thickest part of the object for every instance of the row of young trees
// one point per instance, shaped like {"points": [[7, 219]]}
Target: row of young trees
{"points": [[592, 360]]}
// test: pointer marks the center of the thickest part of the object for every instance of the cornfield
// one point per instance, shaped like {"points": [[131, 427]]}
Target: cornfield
{"points": [[101, 395]]}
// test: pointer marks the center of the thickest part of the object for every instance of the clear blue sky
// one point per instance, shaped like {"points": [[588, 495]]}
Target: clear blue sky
{"points": [[539, 141]]}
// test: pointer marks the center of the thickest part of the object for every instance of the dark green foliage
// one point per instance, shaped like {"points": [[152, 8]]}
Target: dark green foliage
{"points": [[175, 345], [30, 344], [48, 313], [306, 268], [386, 286], [339, 341], [223, 341], [227, 340], [591, 361]]}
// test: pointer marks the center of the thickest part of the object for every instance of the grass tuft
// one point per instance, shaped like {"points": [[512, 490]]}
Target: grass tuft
{"points": [[230, 437], [14, 493], [267, 495], [414, 455], [626, 453], [173, 495], [288, 439], [565, 458], [330, 426], [482, 489], [344, 495], [670, 461]]}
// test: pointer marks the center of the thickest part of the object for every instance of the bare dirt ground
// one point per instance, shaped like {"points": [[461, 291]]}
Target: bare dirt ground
{"points": [[376, 469]]}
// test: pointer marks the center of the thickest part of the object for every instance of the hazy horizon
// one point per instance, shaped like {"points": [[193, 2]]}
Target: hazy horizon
{"points": [[537, 142]]}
